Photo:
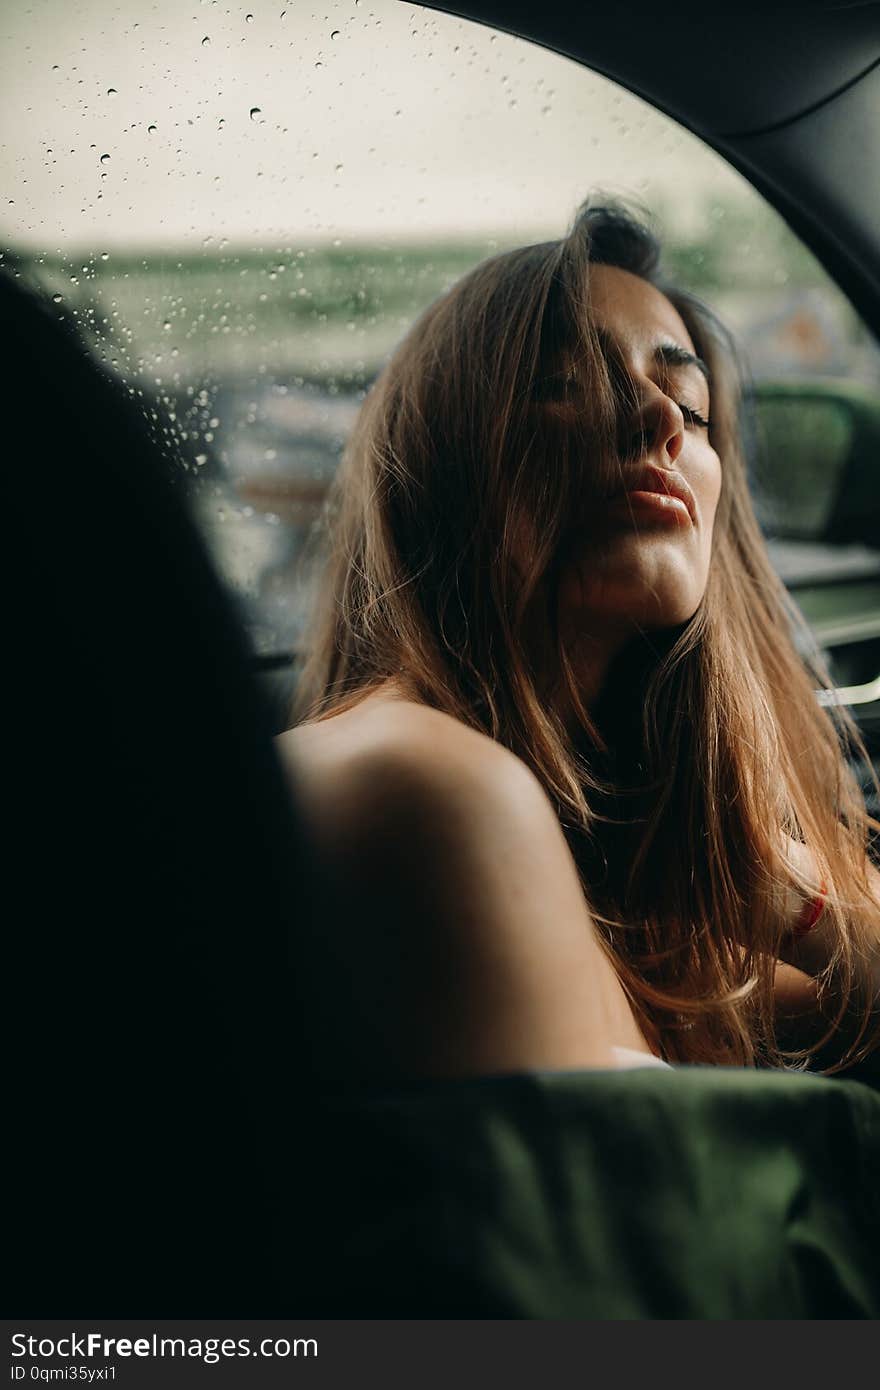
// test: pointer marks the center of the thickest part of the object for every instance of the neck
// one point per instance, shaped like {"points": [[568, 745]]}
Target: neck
{"points": [[592, 657]]}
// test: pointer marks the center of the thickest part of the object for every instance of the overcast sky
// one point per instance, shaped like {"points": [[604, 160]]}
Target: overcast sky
{"points": [[168, 123]]}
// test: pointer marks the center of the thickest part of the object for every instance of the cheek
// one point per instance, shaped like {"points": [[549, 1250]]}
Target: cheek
{"points": [[709, 495]]}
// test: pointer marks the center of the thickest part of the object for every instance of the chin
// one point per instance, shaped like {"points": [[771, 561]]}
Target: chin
{"points": [[610, 600]]}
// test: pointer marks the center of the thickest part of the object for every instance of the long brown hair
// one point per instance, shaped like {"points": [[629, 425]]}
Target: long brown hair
{"points": [[673, 793]]}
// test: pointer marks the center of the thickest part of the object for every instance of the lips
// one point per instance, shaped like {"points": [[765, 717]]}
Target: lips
{"points": [[663, 481]]}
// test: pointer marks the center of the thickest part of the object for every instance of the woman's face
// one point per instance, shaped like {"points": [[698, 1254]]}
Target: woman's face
{"points": [[644, 561]]}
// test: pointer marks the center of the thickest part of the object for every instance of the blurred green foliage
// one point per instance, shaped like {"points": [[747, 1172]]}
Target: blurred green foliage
{"points": [[323, 311]]}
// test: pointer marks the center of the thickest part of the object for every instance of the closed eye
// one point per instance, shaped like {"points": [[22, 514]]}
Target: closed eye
{"points": [[693, 417]]}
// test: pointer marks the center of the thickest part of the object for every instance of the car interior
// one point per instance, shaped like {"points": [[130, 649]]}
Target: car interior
{"points": [[172, 1152]]}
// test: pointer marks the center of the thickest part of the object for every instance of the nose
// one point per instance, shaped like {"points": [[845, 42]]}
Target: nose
{"points": [[657, 424]]}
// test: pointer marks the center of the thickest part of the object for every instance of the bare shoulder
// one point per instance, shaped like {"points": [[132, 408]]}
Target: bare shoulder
{"points": [[466, 927], [396, 755], [390, 723]]}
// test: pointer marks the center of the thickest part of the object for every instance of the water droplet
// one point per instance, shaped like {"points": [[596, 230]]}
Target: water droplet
{"points": [[54, 67], [319, 64], [167, 325], [221, 123], [151, 130], [339, 168], [56, 299], [112, 92], [201, 458], [255, 111], [105, 255], [206, 40], [248, 19], [105, 159], [334, 34]]}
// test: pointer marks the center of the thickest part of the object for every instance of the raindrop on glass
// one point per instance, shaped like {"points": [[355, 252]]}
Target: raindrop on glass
{"points": [[335, 34], [111, 92], [56, 299], [105, 255], [151, 130], [206, 40], [248, 19], [255, 111], [105, 159]]}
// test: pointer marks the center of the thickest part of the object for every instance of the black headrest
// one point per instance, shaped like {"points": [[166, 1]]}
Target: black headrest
{"points": [[161, 871]]}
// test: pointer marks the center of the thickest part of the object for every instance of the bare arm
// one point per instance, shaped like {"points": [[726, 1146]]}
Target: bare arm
{"points": [[465, 945], [806, 955], [811, 951]]}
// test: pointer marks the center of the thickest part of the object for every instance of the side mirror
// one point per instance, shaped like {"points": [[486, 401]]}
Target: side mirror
{"points": [[817, 466]]}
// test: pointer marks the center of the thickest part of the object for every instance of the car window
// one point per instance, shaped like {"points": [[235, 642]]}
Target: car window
{"points": [[243, 209]]}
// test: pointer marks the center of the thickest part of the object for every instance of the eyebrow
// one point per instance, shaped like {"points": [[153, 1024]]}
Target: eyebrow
{"points": [[670, 354], [673, 355]]}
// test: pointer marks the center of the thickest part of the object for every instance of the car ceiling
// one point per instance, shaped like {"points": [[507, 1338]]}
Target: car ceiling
{"points": [[721, 68], [788, 92]]}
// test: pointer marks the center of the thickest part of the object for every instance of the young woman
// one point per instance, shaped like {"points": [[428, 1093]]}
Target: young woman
{"points": [[553, 734]]}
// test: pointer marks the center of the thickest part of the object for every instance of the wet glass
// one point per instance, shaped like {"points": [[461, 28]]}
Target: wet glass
{"points": [[243, 211]]}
